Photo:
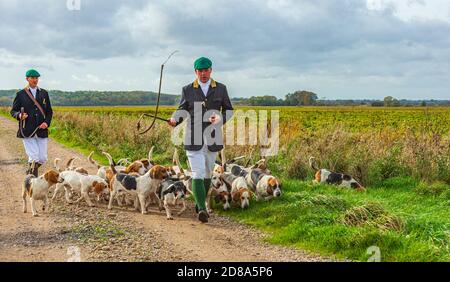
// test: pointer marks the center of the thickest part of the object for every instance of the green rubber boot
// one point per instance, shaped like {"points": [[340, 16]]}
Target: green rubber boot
{"points": [[198, 188], [207, 185]]}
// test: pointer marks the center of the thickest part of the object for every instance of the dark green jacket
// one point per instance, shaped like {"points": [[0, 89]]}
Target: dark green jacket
{"points": [[35, 117], [193, 107]]}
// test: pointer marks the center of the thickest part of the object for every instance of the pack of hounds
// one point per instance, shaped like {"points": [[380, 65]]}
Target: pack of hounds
{"points": [[142, 183]]}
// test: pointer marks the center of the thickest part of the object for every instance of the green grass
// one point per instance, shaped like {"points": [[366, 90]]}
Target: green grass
{"points": [[312, 218], [101, 230]]}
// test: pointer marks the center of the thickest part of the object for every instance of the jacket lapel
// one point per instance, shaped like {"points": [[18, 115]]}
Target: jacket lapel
{"points": [[212, 88], [28, 97], [198, 90], [38, 96]]}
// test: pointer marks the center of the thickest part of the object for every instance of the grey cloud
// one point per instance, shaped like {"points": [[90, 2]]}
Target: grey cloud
{"points": [[333, 38]]}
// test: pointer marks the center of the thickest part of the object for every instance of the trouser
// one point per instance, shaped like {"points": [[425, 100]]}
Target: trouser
{"points": [[202, 164], [36, 149]]}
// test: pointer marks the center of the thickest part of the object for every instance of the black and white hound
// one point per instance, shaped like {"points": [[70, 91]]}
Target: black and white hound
{"points": [[329, 177]]}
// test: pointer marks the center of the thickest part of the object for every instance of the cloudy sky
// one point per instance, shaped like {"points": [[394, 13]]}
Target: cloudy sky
{"points": [[337, 48]]}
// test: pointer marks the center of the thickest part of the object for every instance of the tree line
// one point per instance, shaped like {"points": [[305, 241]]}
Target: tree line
{"points": [[308, 98], [132, 98], [98, 98]]}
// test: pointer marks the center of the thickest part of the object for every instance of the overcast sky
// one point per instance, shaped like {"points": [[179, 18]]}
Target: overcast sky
{"points": [[343, 49]]}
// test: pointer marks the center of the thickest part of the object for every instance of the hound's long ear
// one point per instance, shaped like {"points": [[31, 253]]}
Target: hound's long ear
{"points": [[51, 176], [158, 172], [152, 172], [236, 197]]}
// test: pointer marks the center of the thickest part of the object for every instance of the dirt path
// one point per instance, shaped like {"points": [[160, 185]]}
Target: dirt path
{"points": [[98, 234]]}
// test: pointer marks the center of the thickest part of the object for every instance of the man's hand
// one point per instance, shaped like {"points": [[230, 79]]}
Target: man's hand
{"points": [[23, 116], [214, 119], [44, 125], [172, 122]]}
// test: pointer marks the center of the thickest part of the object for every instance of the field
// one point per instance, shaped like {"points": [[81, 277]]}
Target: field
{"points": [[402, 156]]}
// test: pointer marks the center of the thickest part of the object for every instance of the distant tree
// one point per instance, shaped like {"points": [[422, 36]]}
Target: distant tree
{"points": [[377, 104], [264, 101], [301, 98], [423, 104], [390, 101]]}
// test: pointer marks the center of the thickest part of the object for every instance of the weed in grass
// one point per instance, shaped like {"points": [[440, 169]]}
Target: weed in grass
{"points": [[434, 189], [331, 202], [372, 214]]}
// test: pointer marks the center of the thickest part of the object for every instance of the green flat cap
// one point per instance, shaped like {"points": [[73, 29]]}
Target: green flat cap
{"points": [[202, 63], [32, 73]]}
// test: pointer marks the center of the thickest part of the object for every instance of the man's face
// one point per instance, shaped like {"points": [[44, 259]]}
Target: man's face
{"points": [[33, 81], [204, 75]]}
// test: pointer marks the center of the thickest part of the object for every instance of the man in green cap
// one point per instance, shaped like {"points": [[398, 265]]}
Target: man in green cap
{"points": [[32, 108], [206, 106]]}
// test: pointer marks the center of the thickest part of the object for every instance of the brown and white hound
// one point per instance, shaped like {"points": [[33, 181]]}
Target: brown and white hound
{"points": [[37, 189]]}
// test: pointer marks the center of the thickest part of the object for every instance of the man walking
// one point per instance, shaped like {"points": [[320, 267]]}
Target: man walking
{"points": [[206, 106], [32, 108]]}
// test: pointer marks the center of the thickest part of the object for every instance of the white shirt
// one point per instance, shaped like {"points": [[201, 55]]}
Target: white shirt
{"points": [[205, 86], [33, 91]]}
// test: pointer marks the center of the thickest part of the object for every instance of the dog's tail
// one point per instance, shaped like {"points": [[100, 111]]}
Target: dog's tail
{"points": [[91, 160], [233, 160], [312, 163], [150, 154], [124, 162], [176, 160], [359, 186], [111, 162], [69, 163], [27, 184], [262, 164], [56, 164]]}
